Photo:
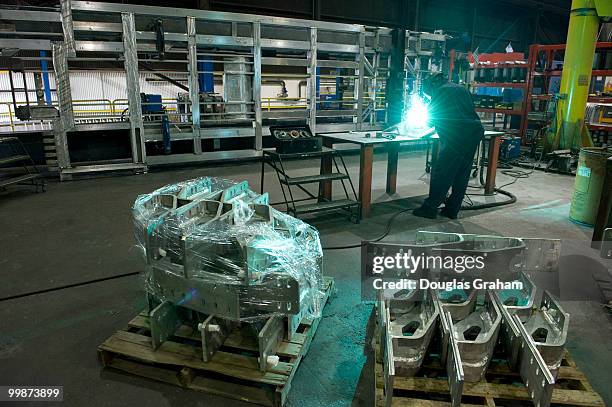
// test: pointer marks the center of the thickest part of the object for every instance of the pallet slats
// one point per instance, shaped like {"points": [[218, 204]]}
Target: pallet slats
{"points": [[433, 391], [232, 372]]}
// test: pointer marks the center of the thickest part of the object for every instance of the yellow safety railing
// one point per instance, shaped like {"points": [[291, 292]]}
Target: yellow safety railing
{"points": [[114, 108]]}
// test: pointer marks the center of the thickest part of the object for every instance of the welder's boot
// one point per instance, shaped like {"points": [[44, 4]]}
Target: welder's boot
{"points": [[447, 213], [426, 212]]}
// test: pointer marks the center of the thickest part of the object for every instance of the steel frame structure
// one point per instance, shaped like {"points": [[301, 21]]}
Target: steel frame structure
{"points": [[81, 33]]}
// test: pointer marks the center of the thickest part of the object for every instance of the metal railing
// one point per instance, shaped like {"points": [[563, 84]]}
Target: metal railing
{"points": [[91, 110]]}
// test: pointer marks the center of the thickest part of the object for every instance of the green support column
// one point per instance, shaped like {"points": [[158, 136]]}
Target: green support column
{"points": [[576, 78]]}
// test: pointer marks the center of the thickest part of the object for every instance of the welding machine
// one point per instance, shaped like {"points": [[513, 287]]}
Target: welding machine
{"points": [[294, 139], [510, 148]]}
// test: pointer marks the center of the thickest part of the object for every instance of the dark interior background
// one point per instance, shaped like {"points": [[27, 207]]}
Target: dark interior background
{"points": [[484, 24]]}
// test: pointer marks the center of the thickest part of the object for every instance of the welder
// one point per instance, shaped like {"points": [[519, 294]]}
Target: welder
{"points": [[460, 131]]}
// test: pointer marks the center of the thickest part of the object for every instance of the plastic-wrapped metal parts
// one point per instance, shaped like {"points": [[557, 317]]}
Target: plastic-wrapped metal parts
{"points": [[216, 247]]}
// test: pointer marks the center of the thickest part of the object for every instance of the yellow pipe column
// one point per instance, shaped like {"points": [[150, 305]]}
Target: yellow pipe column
{"points": [[576, 77]]}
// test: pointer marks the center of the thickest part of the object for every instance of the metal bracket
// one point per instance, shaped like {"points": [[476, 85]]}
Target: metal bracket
{"points": [[454, 367], [164, 321], [476, 339], [535, 374], [214, 331], [510, 336], [207, 298], [411, 330], [387, 353], [268, 339]]}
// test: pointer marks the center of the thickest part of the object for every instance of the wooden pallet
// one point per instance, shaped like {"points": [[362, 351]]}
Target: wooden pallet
{"points": [[500, 387], [233, 371]]}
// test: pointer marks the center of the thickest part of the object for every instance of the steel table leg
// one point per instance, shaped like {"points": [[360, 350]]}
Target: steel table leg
{"points": [[392, 159], [365, 178], [325, 187], [494, 144]]}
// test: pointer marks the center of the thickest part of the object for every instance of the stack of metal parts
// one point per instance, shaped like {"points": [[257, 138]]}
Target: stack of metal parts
{"points": [[219, 259], [471, 323]]}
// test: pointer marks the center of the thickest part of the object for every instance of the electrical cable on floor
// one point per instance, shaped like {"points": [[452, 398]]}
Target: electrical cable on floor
{"points": [[47, 290], [378, 239], [514, 173]]}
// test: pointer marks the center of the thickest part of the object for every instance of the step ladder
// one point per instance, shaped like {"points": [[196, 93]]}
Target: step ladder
{"points": [[21, 112], [17, 166], [314, 202]]}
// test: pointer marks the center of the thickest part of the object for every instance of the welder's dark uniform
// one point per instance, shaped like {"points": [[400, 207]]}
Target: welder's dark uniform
{"points": [[452, 113]]}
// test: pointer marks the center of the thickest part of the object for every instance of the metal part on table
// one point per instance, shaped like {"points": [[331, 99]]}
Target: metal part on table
{"points": [[410, 326], [476, 336]]}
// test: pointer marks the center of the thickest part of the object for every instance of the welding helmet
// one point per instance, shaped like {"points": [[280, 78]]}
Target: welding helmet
{"points": [[433, 82]]}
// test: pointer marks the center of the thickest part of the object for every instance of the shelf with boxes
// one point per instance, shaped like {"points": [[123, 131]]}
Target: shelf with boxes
{"points": [[499, 87], [544, 79]]}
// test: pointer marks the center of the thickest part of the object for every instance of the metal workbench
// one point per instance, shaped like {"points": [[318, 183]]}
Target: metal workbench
{"points": [[392, 145]]}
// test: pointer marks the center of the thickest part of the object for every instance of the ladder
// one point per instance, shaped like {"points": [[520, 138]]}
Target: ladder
{"points": [[17, 166], [22, 112], [314, 202]]}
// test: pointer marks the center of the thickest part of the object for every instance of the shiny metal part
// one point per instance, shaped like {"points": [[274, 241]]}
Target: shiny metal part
{"points": [[510, 303], [386, 346], [411, 324], [535, 373], [547, 326], [514, 254], [459, 304], [476, 336], [454, 366], [269, 338], [229, 279]]}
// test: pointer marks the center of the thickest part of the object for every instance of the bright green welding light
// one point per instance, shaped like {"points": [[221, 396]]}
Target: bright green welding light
{"points": [[416, 114]]}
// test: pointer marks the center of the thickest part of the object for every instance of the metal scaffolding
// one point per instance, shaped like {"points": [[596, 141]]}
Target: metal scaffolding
{"points": [[167, 44]]}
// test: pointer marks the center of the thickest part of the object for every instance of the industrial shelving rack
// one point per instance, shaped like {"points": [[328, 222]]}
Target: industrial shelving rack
{"points": [[517, 83], [545, 54], [539, 54]]}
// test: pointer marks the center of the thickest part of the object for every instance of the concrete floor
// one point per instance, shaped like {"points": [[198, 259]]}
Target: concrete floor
{"points": [[82, 230]]}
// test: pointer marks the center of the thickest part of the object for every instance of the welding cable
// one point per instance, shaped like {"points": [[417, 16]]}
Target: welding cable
{"points": [[62, 287], [378, 239], [515, 174]]}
